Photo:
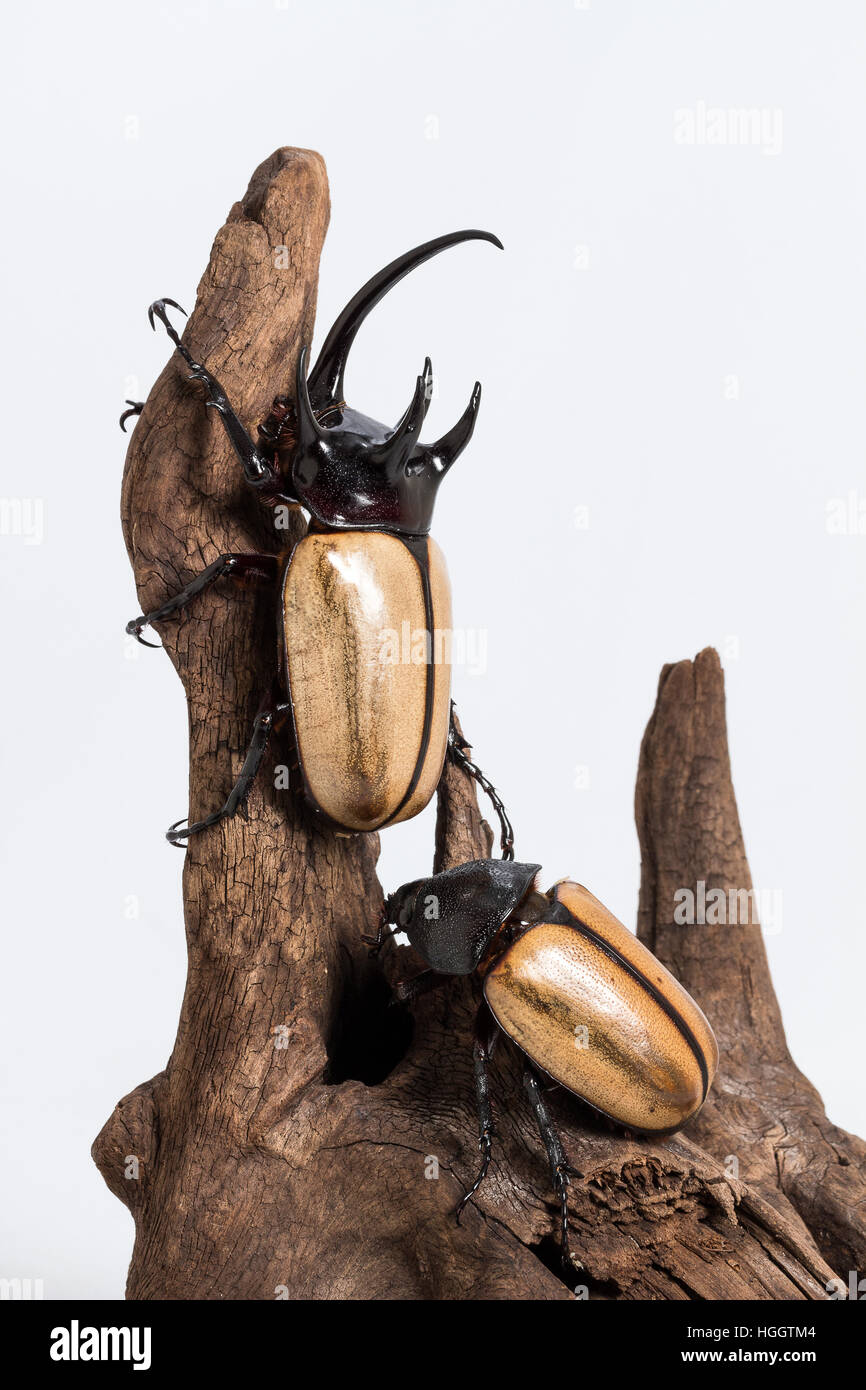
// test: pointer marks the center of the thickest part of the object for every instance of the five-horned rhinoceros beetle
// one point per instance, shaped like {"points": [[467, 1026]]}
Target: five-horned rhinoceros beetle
{"points": [[588, 1005], [370, 735]]}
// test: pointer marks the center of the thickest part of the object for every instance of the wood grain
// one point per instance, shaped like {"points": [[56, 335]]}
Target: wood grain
{"points": [[762, 1110]]}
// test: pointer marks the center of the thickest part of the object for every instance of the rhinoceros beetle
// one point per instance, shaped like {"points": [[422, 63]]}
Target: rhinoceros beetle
{"points": [[370, 736], [587, 1004]]}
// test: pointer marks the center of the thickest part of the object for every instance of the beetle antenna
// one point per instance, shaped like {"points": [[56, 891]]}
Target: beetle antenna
{"points": [[326, 378]]}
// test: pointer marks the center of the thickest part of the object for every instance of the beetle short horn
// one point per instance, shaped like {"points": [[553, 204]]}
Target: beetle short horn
{"points": [[309, 429], [397, 448], [449, 448]]}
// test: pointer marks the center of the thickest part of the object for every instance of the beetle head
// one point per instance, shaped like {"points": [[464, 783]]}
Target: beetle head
{"points": [[400, 906], [351, 471]]}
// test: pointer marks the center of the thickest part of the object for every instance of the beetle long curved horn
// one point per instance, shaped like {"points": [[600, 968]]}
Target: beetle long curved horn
{"points": [[309, 429], [449, 448], [326, 378]]}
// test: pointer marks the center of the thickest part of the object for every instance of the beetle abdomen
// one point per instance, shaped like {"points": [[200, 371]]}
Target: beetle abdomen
{"points": [[370, 710], [591, 1006]]}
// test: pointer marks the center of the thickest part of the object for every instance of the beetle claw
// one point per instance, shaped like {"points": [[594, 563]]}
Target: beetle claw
{"points": [[177, 837], [135, 627], [135, 408], [460, 1206], [158, 308]]}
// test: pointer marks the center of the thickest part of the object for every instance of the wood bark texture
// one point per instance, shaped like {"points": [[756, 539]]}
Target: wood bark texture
{"points": [[761, 1109], [310, 1139]]}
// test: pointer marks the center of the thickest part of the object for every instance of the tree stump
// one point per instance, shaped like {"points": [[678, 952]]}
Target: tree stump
{"points": [[761, 1108], [308, 1138]]}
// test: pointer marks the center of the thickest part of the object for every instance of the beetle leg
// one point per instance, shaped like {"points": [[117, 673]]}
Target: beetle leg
{"points": [[259, 471], [486, 1033], [375, 942], [135, 408], [560, 1170], [262, 727], [407, 991], [456, 745], [264, 566]]}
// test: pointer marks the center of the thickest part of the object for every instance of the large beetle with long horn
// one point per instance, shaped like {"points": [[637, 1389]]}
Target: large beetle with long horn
{"points": [[369, 712]]}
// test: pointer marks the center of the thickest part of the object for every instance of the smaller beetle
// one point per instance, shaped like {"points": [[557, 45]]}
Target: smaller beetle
{"points": [[588, 1005]]}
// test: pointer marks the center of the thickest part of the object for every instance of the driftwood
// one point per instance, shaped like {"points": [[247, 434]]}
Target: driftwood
{"points": [[307, 1138], [762, 1110]]}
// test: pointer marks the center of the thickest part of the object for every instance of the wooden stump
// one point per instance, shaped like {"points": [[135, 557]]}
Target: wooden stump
{"points": [[761, 1109], [307, 1137]]}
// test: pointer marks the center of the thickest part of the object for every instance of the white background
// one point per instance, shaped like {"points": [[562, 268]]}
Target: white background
{"points": [[642, 275]]}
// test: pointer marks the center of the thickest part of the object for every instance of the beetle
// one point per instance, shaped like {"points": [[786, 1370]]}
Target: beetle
{"points": [[370, 732], [586, 1003]]}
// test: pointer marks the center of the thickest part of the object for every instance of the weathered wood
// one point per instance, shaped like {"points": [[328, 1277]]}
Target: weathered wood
{"points": [[762, 1110], [330, 1167]]}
